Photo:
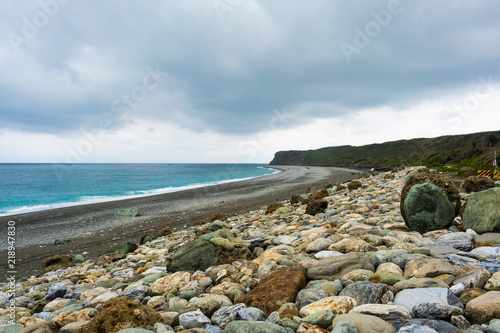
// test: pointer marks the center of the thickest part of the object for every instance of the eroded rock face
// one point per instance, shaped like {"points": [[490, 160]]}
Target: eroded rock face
{"points": [[121, 313], [275, 290], [442, 181]]}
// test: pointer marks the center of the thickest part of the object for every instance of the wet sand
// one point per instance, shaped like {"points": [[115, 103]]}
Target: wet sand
{"points": [[94, 228]]}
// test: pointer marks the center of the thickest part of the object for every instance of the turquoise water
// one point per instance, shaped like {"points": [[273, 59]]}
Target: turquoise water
{"points": [[33, 187]]}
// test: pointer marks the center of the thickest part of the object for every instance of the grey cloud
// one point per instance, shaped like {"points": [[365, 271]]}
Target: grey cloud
{"points": [[229, 75]]}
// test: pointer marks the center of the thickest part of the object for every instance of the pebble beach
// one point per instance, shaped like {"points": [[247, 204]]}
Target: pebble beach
{"points": [[335, 259]]}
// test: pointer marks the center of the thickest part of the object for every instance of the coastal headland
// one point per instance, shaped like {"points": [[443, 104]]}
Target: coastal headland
{"points": [[94, 228]]}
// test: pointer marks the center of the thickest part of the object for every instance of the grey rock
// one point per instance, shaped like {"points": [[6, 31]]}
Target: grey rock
{"points": [[461, 245], [137, 294], [135, 330], [393, 314], [345, 326], [193, 319], [238, 326], [437, 325], [492, 265], [250, 314], [413, 328], [59, 292], [433, 310], [409, 298], [461, 261], [308, 296], [212, 329], [494, 326], [333, 268], [225, 315], [427, 208], [274, 318], [491, 252], [365, 292], [475, 278], [194, 255]]}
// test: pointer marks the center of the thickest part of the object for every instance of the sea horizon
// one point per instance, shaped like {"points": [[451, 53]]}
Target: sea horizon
{"points": [[32, 187]]}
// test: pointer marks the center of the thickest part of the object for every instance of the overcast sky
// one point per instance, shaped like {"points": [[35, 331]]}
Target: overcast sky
{"points": [[238, 80]]}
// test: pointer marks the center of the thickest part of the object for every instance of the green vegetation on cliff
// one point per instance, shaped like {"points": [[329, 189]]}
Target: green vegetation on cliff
{"points": [[474, 150]]}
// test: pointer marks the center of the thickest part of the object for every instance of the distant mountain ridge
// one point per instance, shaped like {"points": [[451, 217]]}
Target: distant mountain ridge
{"points": [[466, 149]]}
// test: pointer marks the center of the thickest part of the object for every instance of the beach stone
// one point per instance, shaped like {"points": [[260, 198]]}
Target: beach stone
{"points": [[282, 210], [482, 213], [267, 255], [333, 268], [319, 244], [56, 262], [240, 326], [193, 319], [469, 294], [342, 303], [316, 207], [238, 253], [494, 327], [149, 236], [491, 265], [124, 248], [434, 310], [309, 328], [120, 313], [409, 298], [325, 254], [68, 317], [429, 267], [223, 243], [75, 327], [439, 326], [489, 238], [42, 327], [250, 314], [493, 283], [208, 304], [137, 294], [176, 280], [365, 292], [413, 328], [331, 287], [344, 326], [427, 208], [288, 310], [442, 181], [393, 314], [365, 323], [275, 290], [351, 245], [225, 315], [475, 278], [321, 318], [477, 183], [388, 278], [308, 296], [224, 233], [61, 241], [356, 275], [131, 212], [194, 255], [487, 251], [212, 329]]}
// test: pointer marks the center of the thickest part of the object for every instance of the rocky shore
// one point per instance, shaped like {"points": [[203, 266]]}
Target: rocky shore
{"points": [[402, 251]]}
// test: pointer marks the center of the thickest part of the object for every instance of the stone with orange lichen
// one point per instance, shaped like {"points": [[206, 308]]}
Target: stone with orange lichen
{"points": [[275, 290], [68, 317], [176, 280], [342, 303], [267, 255]]}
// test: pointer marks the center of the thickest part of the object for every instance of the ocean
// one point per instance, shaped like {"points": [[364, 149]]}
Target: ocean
{"points": [[33, 187]]}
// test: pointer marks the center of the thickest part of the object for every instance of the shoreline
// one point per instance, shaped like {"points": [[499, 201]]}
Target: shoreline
{"points": [[121, 197], [95, 227]]}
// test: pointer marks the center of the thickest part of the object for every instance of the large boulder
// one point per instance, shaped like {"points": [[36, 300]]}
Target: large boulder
{"points": [[194, 255], [477, 183], [365, 292], [444, 182], [482, 213], [120, 313], [275, 290], [484, 308], [333, 268], [427, 208]]}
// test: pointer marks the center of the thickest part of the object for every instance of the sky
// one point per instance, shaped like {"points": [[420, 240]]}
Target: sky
{"points": [[234, 81]]}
